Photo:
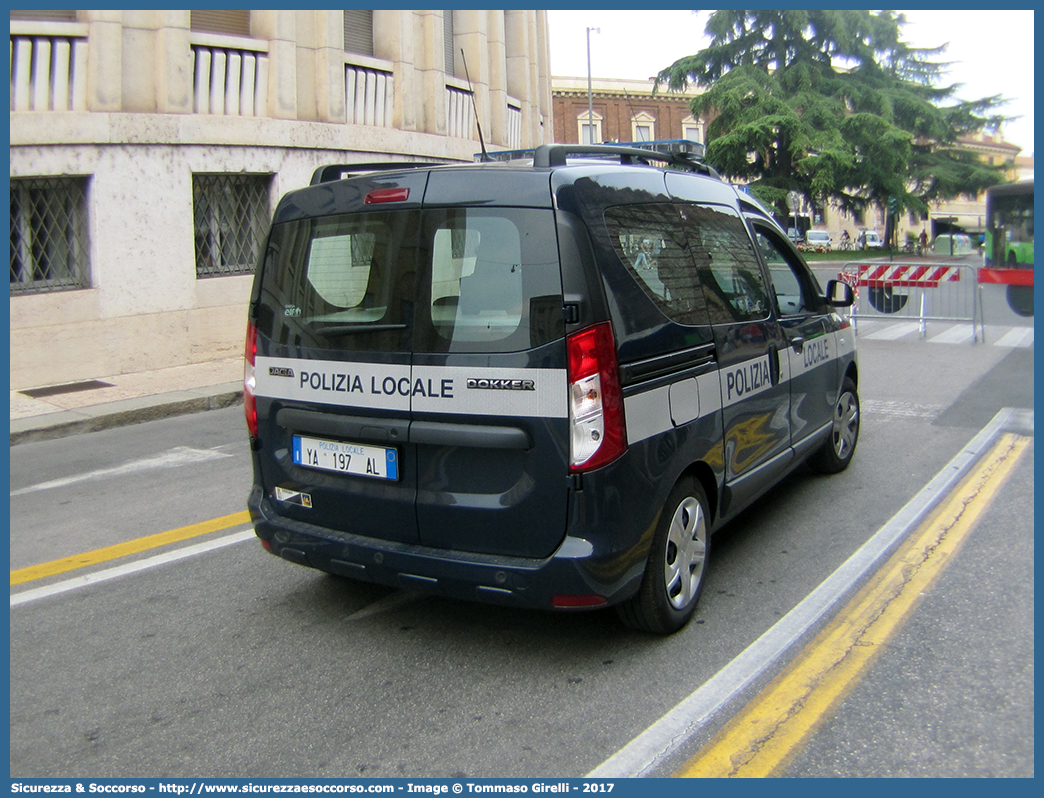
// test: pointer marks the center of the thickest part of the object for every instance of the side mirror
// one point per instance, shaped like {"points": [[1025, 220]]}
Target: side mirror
{"points": [[839, 294]]}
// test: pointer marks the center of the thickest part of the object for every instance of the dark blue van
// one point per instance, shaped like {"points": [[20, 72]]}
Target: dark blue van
{"points": [[543, 383]]}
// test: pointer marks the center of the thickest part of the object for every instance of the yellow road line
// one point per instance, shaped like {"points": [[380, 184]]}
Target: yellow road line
{"points": [[764, 738], [23, 575]]}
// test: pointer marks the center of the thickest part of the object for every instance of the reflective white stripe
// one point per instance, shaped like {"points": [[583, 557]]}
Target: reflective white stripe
{"points": [[785, 365], [745, 380], [428, 389], [492, 391], [684, 397], [814, 353], [845, 340], [649, 413], [365, 385]]}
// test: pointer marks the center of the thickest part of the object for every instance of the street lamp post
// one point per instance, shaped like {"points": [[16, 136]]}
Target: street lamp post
{"points": [[590, 96]]}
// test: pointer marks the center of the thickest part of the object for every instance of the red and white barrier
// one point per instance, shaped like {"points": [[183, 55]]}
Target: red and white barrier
{"points": [[905, 275]]}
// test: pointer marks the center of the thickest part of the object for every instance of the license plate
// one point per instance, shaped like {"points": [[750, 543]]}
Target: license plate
{"points": [[378, 462]]}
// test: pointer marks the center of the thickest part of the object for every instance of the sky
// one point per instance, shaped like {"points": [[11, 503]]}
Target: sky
{"points": [[990, 52]]}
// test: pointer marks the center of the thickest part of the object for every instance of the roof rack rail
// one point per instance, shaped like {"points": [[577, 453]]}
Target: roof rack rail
{"points": [[549, 155], [504, 155], [338, 171]]}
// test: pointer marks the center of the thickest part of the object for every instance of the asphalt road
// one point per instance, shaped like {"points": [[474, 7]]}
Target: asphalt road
{"points": [[234, 663]]}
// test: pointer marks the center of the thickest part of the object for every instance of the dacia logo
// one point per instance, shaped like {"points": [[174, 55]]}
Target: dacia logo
{"points": [[500, 385], [280, 371]]}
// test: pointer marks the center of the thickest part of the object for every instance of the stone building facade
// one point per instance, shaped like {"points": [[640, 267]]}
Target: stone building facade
{"points": [[148, 149]]}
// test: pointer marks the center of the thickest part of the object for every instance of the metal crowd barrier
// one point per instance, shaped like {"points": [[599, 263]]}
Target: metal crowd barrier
{"points": [[916, 290]]}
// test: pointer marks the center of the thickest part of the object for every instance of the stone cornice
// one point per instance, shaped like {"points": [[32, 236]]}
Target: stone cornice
{"points": [[620, 95]]}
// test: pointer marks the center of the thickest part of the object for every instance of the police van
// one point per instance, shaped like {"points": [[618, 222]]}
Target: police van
{"points": [[540, 382]]}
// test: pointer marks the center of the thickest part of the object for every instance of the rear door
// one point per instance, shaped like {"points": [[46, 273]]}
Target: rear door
{"points": [[411, 371], [335, 321], [489, 382]]}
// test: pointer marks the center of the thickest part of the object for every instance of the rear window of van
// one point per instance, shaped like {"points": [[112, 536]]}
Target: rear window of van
{"points": [[441, 280]]}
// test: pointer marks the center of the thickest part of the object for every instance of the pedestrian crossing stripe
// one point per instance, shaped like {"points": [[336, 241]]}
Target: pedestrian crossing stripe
{"points": [[995, 335]]}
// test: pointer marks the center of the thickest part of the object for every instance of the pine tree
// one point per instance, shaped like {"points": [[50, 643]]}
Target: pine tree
{"points": [[836, 106]]}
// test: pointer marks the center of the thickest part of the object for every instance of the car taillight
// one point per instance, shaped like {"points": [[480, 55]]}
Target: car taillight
{"points": [[387, 195], [596, 417], [250, 380]]}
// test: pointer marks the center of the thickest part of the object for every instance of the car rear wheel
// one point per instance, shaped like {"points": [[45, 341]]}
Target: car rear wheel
{"points": [[677, 567], [836, 452]]}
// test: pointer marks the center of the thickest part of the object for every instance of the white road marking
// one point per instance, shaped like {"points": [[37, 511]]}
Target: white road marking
{"points": [[666, 736], [174, 458], [1017, 336], [129, 568], [895, 331], [958, 334], [900, 409], [996, 334], [394, 601]]}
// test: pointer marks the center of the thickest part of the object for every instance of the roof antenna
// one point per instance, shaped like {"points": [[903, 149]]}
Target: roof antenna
{"points": [[482, 144]]}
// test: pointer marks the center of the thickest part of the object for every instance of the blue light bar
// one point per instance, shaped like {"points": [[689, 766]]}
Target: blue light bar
{"points": [[665, 146]]}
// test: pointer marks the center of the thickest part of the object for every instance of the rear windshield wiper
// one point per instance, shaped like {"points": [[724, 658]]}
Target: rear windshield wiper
{"points": [[350, 329]]}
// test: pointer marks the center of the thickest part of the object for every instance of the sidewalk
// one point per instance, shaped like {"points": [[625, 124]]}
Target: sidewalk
{"points": [[131, 399]]}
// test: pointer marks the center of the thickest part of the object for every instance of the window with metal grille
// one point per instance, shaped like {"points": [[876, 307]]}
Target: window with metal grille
{"points": [[230, 214], [62, 15], [231, 23], [49, 244], [358, 32], [447, 27]]}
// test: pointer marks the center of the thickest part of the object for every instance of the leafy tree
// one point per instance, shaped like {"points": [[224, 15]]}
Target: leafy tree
{"points": [[836, 106]]}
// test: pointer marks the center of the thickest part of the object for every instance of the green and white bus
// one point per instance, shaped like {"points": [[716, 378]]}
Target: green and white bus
{"points": [[1009, 226], [1008, 255]]}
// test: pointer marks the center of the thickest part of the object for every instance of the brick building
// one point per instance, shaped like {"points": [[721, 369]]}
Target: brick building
{"points": [[623, 110]]}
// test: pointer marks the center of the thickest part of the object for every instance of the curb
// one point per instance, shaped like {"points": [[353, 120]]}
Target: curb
{"points": [[123, 413]]}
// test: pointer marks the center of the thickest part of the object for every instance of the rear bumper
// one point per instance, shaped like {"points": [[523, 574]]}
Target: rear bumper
{"points": [[574, 570]]}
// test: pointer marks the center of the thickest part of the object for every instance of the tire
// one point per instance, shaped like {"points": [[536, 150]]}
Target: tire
{"points": [[836, 452], [885, 301], [676, 570], [1020, 299]]}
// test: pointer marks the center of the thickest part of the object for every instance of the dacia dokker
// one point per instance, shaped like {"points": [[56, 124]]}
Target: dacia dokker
{"points": [[542, 382]]}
